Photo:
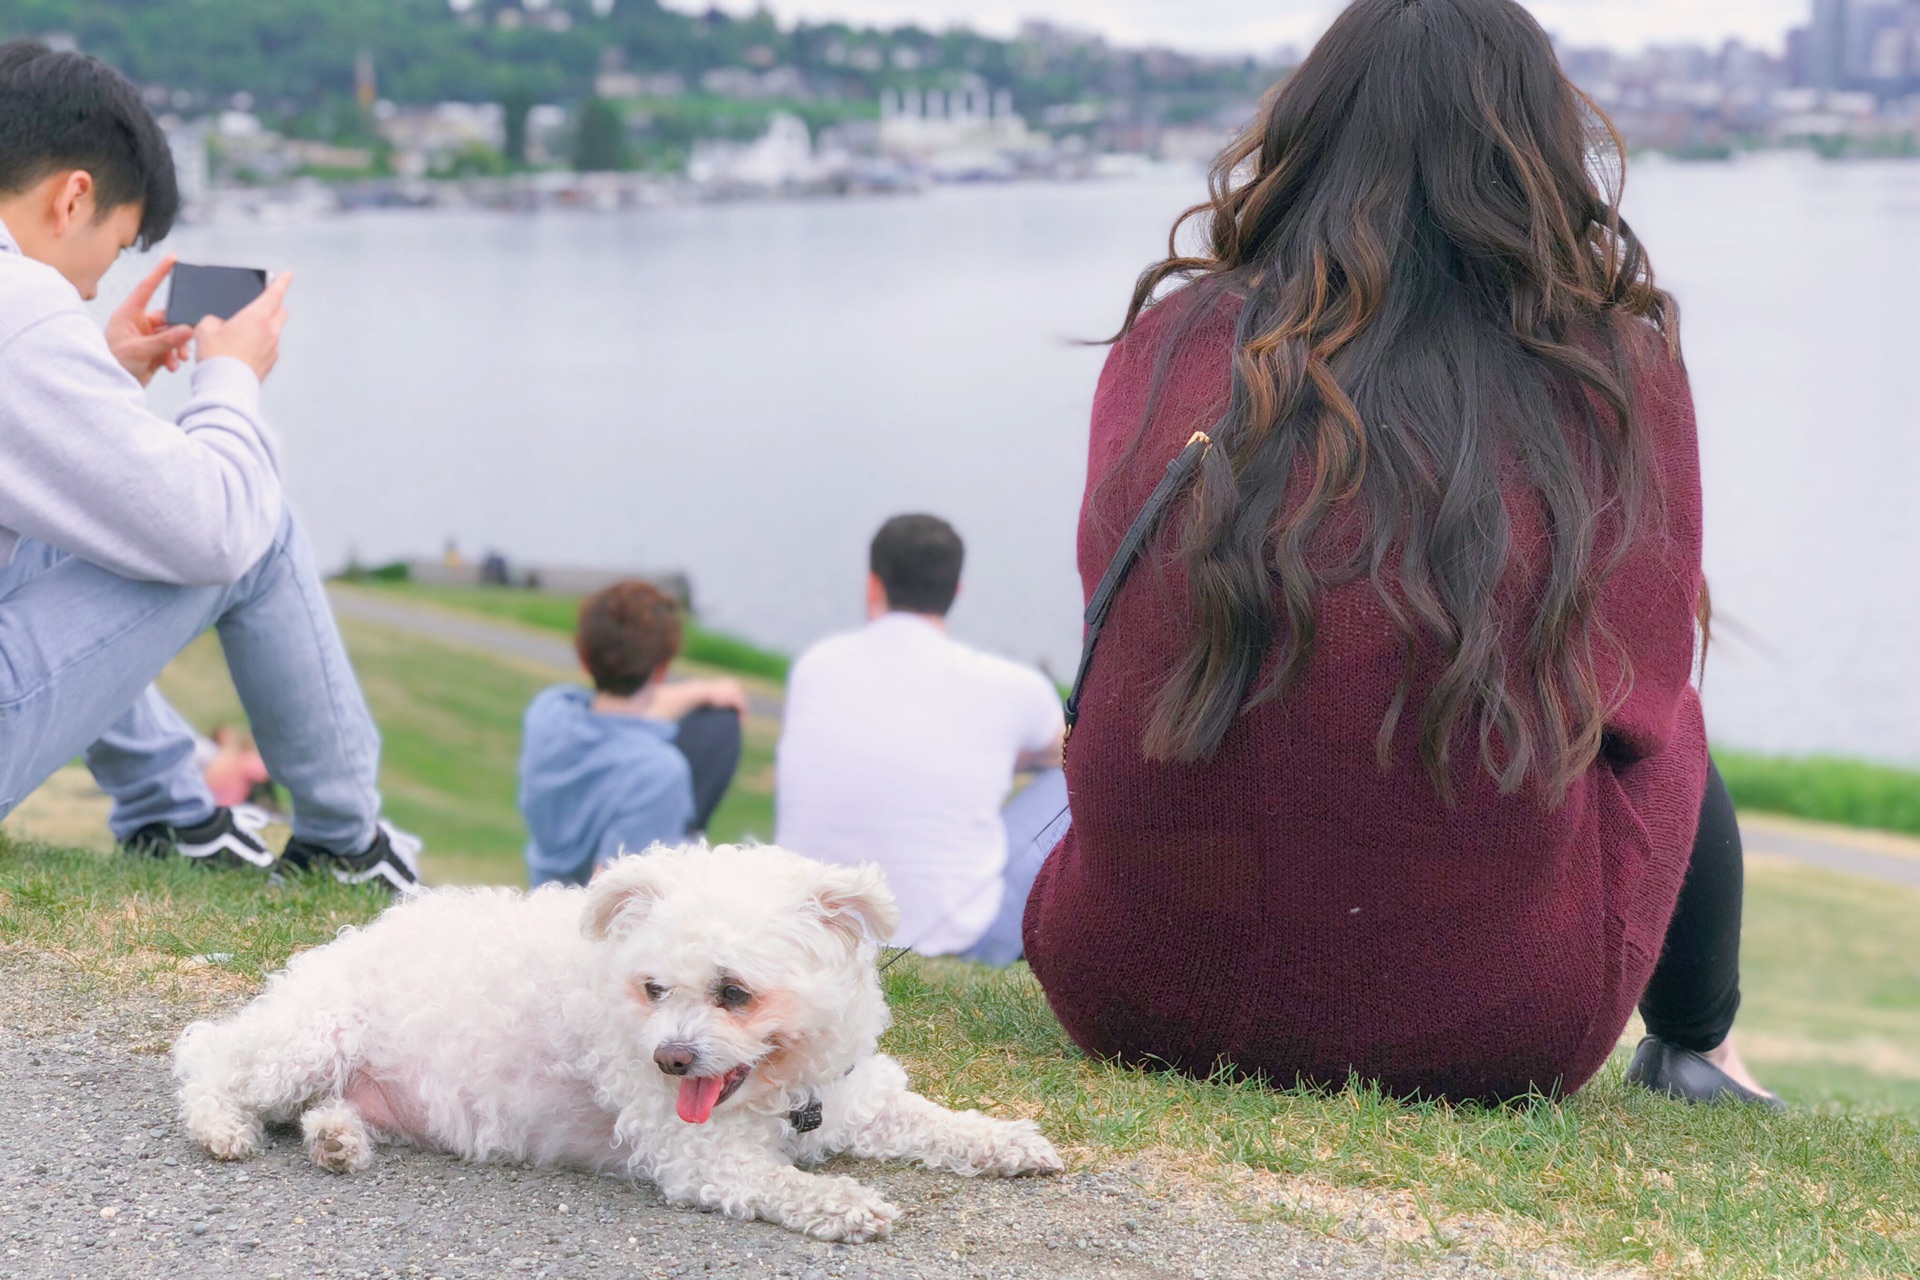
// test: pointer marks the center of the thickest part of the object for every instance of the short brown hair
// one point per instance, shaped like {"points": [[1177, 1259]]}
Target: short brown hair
{"points": [[626, 633]]}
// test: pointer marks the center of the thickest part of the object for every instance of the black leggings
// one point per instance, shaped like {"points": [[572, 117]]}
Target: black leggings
{"points": [[1695, 989]]}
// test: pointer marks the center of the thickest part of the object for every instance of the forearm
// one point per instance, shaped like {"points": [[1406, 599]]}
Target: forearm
{"points": [[91, 470], [677, 699]]}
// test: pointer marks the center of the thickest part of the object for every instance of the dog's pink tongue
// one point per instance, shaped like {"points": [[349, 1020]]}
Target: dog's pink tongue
{"points": [[698, 1096]]}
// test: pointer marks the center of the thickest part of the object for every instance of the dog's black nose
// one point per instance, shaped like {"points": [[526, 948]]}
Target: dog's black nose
{"points": [[674, 1059]]}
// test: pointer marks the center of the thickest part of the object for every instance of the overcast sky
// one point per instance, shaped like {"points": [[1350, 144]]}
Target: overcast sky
{"points": [[1262, 25]]}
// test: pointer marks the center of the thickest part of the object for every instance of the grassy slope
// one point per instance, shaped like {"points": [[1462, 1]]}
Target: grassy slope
{"points": [[1845, 792], [1613, 1174], [1610, 1175], [113, 919], [1833, 1011], [558, 612], [450, 726]]}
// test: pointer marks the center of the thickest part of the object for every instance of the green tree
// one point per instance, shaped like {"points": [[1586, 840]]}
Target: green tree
{"points": [[517, 104], [599, 137], [296, 59]]}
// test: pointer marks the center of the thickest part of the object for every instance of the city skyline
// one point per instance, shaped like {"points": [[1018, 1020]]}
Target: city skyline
{"points": [[1260, 26]]}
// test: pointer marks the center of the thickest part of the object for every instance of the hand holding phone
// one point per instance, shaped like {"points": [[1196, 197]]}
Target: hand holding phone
{"points": [[199, 292], [253, 334], [142, 340]]}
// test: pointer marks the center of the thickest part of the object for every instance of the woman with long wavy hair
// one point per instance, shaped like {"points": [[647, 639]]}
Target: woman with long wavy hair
{"points": [[1390, 762]]}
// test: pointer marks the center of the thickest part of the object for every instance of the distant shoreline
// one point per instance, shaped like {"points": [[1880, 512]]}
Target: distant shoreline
{"points": [[565, 192]]}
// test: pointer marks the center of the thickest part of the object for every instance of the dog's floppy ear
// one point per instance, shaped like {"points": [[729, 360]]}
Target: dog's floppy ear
{"points": [[621, 895], [856, 902]]}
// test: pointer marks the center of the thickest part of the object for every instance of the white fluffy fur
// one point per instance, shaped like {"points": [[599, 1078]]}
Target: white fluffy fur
{"points": [[506, 1026]]}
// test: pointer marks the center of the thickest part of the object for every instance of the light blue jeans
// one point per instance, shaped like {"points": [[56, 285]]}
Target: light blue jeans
{"points": [[80, 648], [1037, 820]]}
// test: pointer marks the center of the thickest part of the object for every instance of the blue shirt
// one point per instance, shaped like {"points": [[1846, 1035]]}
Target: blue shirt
{"points": [[593, 786]]}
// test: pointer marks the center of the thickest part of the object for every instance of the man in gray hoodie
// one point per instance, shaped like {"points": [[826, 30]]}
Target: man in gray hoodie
{"points": [[124, 536]]}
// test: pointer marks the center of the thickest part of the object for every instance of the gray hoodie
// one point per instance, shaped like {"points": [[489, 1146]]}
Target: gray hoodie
{"points": [[593, 785], [85, 466]]}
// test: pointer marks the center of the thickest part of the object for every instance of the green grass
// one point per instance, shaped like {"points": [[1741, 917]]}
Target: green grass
{"points": [[1832, 1019], [1824, 789], [1821, 787], [1612, 1175], [552, 612], [135, 919], [1831, 980], [450, 728]]}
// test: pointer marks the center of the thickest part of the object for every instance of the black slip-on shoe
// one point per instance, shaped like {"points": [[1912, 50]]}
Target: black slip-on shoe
{"points": [[230, 838], [392, 861], [1686, 1075]]}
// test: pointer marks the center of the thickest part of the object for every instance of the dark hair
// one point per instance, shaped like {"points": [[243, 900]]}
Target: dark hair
{"points": [[918, 559], [71, 111], [625, 634], [1434, 286]]}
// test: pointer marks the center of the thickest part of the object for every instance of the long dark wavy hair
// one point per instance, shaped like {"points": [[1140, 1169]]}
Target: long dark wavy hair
{"points": [[1423, 228]]}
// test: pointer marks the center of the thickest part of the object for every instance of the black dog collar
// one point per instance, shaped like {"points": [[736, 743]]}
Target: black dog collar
{"points": [[805, 1119]]}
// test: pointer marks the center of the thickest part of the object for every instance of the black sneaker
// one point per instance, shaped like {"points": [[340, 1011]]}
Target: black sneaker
{"points": [[392, 861], [155, 840], [230, 838]]}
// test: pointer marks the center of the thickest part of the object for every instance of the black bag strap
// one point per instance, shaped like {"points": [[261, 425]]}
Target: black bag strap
{"points": [[1128, 553]]}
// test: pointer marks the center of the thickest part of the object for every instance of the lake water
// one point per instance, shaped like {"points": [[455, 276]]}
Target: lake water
{"points": [[746, 391]]}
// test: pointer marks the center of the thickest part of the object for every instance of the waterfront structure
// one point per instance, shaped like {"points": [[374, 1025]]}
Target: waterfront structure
{"points": [[966, 132], [783, 157]]}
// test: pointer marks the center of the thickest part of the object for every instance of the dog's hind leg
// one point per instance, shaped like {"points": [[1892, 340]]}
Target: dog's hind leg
{"points": [[337, 1136], [216, 1120], [212, 1105], [263, 1065], [906, 1126]]}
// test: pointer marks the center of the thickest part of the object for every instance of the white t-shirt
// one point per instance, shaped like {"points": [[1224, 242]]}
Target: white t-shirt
{"points": [[899, 748]]}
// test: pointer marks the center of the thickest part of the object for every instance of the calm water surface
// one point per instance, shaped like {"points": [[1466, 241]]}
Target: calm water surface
{"points": [[747, 391]]}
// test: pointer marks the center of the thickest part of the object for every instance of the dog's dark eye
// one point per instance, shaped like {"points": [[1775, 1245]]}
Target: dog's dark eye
{"points": [[734, 996], [655, 991]]}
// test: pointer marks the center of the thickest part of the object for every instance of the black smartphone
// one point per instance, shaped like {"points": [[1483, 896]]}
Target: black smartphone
{"points": [[199, 292]]}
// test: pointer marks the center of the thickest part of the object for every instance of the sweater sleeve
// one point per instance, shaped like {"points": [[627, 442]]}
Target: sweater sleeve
{"points": [[1650, 604], [91, 470]]}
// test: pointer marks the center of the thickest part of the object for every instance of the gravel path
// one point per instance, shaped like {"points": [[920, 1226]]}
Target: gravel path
{"points": [[97, 1181], [500, 638], [1875, 855]]}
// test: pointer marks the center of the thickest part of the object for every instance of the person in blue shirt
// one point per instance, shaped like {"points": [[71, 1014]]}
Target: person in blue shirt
{"points": [[636, 759]]}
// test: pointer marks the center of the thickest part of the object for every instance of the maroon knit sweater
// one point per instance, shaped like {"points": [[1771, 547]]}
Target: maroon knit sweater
{"points": [[1291, 909]]}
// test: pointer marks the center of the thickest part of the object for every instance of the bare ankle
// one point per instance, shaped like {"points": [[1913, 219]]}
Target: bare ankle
{"points": [[1726, 1056]]}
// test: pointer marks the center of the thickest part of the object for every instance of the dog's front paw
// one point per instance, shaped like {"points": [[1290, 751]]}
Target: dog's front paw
{"points": [[844, 1211], [227, 1132], [1017, 1147]]}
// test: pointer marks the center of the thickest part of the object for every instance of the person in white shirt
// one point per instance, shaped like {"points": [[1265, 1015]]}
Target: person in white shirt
{"points": [[900, 747]]}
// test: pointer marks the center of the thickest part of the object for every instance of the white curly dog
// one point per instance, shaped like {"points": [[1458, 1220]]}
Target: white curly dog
{"points": [[704, 1018]]}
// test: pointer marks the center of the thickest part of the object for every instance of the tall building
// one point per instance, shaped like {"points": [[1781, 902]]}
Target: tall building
{"points": [[1827, 45], [1863, 44], [1886, 35]]}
